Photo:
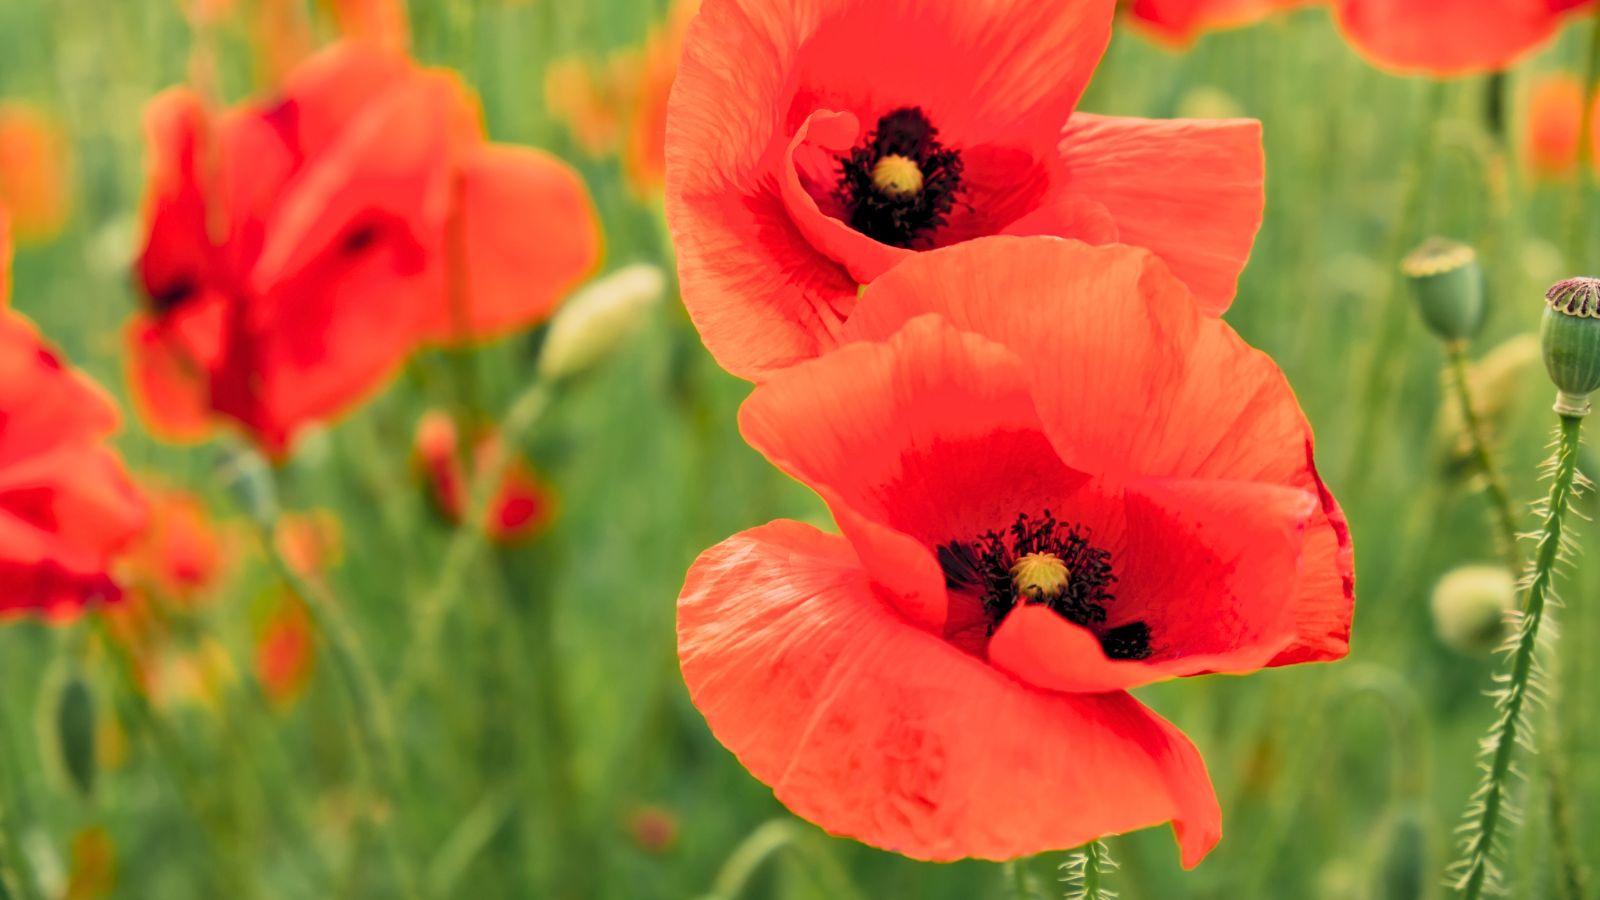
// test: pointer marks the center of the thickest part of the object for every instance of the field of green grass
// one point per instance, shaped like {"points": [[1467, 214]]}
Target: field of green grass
{"points": [[536, 737]]}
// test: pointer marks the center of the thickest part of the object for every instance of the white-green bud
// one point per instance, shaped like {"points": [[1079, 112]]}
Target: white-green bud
{"points": [[1471, 607], [599, 319]]}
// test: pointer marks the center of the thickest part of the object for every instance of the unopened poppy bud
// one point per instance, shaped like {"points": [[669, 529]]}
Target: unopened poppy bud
{"points": [[1570, 338], [599, 319], [1471, 605], [1447, 282], [69, 729]]}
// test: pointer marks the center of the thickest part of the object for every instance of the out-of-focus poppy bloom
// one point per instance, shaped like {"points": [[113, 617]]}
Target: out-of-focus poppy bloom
{"points": [[644, 158], [591, 97], [34, 164], [1449, 37], [807, 153], [1181, 21], [1047, 496], [310, 542], [285, 652], [94, 865], [67, 507], [176, 675], [382, 22], [1551, 136], [179, 555], [297, 250], [522, 504]]}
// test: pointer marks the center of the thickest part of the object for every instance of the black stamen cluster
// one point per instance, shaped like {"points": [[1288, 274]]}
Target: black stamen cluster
{"points": [[983, 567], [900, 221]]}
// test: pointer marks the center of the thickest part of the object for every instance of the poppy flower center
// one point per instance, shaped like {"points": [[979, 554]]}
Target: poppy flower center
{"points": [[1043, 561], [901, 183]]}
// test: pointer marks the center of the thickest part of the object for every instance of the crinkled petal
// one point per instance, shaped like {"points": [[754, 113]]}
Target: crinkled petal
{"points": [[879, 731], [1188, 189]]}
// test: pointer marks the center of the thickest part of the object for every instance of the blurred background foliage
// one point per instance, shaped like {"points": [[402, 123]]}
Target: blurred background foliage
{"points": [[550, 739]]}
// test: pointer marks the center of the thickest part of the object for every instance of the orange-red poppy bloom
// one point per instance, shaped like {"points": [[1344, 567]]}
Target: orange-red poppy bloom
{"points": [[179, 555], [286, 651], [67, 507], [811, 146], [1551, 135], [1181, 21], [297, 250], [644, 158], [522, 504], [34, 171], [1056, 480], [1449, 37]]}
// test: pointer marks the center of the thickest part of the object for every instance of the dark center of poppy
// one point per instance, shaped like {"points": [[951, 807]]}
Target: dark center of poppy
{"points": [[901, 183], [1043, 561], [175, 292]]}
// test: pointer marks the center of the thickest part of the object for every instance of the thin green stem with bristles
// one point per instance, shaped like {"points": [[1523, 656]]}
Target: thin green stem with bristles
{"points": [[1483, 456], [1084, 873], [1476, 871]]}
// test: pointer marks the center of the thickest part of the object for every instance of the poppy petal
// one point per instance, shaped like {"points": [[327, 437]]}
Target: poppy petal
{"points": [[1180, 21], [900, 439], [168, 365], [529, 235], [1448, 37], [1189, 189], [880, 731]]}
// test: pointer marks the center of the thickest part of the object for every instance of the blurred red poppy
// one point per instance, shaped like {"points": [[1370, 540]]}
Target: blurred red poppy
{"points": [[522, 504], [1046, 497], [34, 171], [297, 250], [67, 507], [382, 22], [644, 160], [285, 651], [813, 146], [179, 554], [1550, 139], [1182, 21], [1449, 37]]}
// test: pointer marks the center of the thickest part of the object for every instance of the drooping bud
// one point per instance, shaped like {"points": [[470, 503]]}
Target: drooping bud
{"points": [[599, 319], [245, 475], [1447, 283], [1471, 605], [1570, 338], [68, 728]]}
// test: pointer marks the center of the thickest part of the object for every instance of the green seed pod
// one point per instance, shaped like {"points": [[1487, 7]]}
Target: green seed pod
{"points": [[246, 475], [1447, 282], [1470, 607], [1570, 338], [67, 728]]}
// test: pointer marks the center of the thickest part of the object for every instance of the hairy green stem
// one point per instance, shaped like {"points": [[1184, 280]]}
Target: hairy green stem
{"points": [[1093, 883], [1489, 806], [1477, 435]]}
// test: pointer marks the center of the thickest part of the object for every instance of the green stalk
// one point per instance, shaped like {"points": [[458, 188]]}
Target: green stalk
{"points": [[1494, 483], [1477, 870], [372, 722]]}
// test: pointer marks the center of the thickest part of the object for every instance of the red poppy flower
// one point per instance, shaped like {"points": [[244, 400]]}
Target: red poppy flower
{"points": [[644, 161], [1055, 480], [1182, 21], [296, 251], [34, 164], [286, 652], [67, 508], [1449, 37], [522, 504], [179, 555], [812, 146], [1550, 140]]}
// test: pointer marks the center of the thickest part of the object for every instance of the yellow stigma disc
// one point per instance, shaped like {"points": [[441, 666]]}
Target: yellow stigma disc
{"points": [[896, 176], [1039, 575]]}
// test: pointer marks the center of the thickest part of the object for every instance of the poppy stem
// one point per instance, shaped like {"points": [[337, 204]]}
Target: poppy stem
{"points": [[470, 536], [1476, 871], [1085, 872], [1483, 456], [372, 722], [1375, 393]]}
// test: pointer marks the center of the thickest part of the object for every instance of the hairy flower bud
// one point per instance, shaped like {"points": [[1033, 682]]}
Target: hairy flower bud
{"points": [[596, 321], [1447, 283], [1471, 605]]}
